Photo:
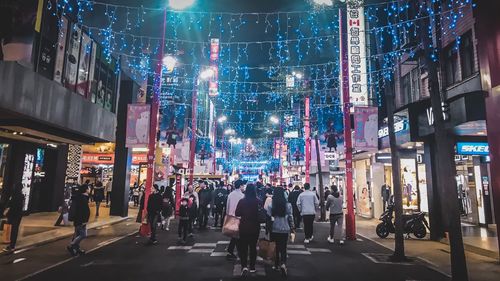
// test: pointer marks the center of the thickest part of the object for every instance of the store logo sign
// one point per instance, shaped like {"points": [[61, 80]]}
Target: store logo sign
{"points": [[430, 114], [398, 127], [473, 148]]}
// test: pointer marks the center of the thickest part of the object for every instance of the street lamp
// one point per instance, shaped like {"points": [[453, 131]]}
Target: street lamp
{"points": [[274, 119], [222, 119], [169, 62]]}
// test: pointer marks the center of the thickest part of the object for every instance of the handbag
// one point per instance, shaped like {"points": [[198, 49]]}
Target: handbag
{"points": [[7, 228], [145, 230], [231, 226], [267, 249]]}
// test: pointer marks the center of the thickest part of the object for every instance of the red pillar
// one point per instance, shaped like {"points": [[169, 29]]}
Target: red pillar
{"points": [[350, 218], [307, 132], [281, 152], [192, 146], [153, 125], [215, 144]]}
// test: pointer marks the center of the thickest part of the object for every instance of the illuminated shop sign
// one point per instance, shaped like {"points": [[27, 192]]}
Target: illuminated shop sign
{"points": [[356, 46], [398, 127], [473, 148]]}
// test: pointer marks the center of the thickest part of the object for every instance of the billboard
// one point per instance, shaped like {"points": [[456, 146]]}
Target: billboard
{"points": [[356, 47], [366, 128], [138, 116]]}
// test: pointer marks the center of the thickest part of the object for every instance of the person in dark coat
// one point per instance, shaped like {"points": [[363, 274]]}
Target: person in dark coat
{"points": [[219, 198], [205, 196], [14, 214], [98, 196], [155, 201], [292, 199], [167, 208], [247, 210], [79, 214]]}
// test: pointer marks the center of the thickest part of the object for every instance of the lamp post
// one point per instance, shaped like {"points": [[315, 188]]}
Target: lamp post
{"points": [[204, 75], [275, 120]]}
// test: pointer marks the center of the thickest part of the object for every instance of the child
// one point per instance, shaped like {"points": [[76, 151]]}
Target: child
{"points": [[183, 220]]}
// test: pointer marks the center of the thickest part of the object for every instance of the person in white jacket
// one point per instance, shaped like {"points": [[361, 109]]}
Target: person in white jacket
{"points": [[308, 203], [232, 202]]}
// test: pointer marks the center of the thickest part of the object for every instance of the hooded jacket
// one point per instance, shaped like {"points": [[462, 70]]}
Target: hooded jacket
{"points": [[334, 203]]}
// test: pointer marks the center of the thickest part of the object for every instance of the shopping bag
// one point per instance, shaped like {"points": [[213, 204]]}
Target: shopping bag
{"points": [[267, 249], [231, 226], [145, 230], [7, 228]]}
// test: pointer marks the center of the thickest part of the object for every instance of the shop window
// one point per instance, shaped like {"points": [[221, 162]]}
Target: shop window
{"points": [[411, 86], [467, 55], [451, 65], [3, 162], [406, 88]]}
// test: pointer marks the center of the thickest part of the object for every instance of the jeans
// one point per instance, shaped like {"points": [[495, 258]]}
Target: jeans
{"points": [[203, 217], [281, 240], [183, 228], [15, 223], [219, 212], [108, 197], [308, 225], [297, 218], [247, 244], [336, 219], [232, 245], [153, 221], [80, 234]]}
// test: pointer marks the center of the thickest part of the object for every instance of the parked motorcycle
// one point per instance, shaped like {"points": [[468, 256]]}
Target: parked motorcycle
{"points": [[415, 224]]}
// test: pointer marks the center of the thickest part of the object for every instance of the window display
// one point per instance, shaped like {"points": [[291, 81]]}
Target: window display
{"points": [[26, 181], [408, 182]]}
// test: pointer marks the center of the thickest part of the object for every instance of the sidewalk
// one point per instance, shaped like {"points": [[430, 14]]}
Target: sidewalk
{"points": [[38, 228], [437, 254]]}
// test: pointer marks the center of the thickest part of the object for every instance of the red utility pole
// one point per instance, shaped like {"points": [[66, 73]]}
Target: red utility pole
{"points": [[192, 146], [350, 218], [281, 152], [307, 132], [215, 144], [155, 108]]}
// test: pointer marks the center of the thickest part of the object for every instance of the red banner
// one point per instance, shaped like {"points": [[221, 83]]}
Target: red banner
{"points": [[95, 158]]}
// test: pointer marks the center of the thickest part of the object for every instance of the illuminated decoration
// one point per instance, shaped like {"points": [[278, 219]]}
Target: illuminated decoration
{"points": [[213, 84], [356, 45]]}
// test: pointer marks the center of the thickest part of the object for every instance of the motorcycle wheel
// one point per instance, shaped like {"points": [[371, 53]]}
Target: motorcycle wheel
{"points": [[382, 230], [420, 231]]}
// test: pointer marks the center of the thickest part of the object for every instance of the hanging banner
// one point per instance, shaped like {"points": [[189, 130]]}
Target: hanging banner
{"points": [[70, 76], [213, 85], [61, 49], [138, 125], [366, 128], [356, 45]]}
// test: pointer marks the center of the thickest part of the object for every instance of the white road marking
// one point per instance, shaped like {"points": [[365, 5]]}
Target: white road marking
{"points": [[205, 245], [218, 254], [200, 251], [22, 250], [319, 250], [296, 247], [297, 252], [179, 248], [223, 242], [19, 260]]}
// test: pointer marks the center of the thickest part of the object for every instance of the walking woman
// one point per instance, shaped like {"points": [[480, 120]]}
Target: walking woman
{"points": [[282, 224], [98, 196], [14, 214], [247, 210]]}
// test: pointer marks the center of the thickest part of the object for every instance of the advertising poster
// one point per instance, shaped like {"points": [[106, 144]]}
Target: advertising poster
{"points": [[84, 64], [70, 76], [356, 45], [91, 77], [102, 80], [27, 178], [203, 149], [297, 147], [110, 85], [409, 184], [366, 128], [61, 49], [138, 125], [96, 68]]}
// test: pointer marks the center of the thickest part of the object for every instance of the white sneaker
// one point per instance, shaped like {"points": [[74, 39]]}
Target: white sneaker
{"points": [[312, 237], [341, 242], [306, 241], [330, 240], [244, 271]]}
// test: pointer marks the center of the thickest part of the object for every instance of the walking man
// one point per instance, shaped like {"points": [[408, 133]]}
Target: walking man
{"points": [[205, 199], [220, 200], [292, 199], [308, 203], [79, 213], [155, 201], [334, 204], [232, 202], [109, 188]]}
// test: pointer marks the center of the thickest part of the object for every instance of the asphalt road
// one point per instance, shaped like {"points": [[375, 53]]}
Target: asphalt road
{"points": [[117, 255]]}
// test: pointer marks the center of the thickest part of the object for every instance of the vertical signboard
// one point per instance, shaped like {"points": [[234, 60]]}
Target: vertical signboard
{"points": [[138, 125], [356, 45], [70, 76], [83, 66], [27, 178], [213, 85], [366, 128], [61, 49]]}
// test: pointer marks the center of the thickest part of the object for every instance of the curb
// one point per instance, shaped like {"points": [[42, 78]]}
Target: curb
{"points": [[476, 250], [57, 238]]}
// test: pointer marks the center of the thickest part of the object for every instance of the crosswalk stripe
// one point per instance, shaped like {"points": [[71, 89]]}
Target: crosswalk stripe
{"points": [[179, 248], [297, 252], [204, 245], [319, 250], [223, 242], [218, 254], [200, 251], [296, 247]]}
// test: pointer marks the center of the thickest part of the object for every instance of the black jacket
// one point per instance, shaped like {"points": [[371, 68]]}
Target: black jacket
{"points": [[184, 212], [220, 197], [205, 196], [82, 210], [15, 206], [247, 209], [154, 204], [292, 198]]}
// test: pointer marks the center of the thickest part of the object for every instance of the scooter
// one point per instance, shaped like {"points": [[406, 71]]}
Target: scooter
{"points": [[415, 224]]}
